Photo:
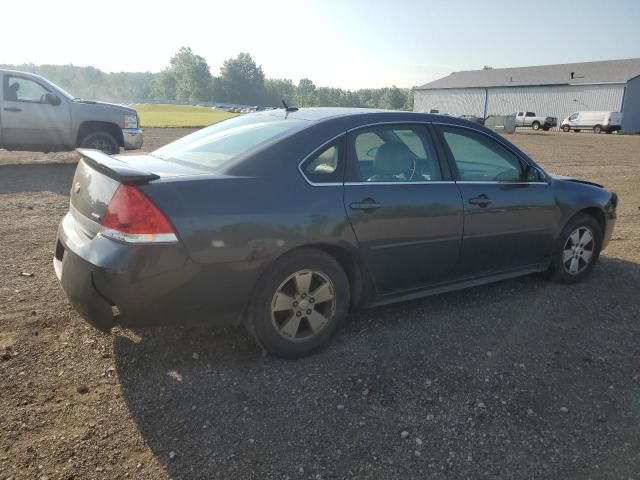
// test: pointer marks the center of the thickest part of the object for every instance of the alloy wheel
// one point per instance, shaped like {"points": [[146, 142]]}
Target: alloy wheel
{"points": [[578, 250], [303, 305]]}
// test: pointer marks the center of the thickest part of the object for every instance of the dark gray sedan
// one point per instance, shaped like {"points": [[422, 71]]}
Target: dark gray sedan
{"points": [[287, 220]]}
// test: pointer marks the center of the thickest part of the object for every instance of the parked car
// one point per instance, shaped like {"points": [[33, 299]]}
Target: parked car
{"points": [[473, 118], [530, 119], [37, 115], [288, 220], [597, 121]]}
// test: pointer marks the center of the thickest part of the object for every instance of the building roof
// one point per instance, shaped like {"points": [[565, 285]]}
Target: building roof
{"points": [[608, 71]]}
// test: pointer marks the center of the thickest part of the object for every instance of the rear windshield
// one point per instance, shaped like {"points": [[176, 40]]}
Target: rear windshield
{"points": [[214, 146]]}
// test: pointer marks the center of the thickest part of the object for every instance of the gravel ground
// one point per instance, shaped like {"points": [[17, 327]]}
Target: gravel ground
{"points": [[522, 379]]}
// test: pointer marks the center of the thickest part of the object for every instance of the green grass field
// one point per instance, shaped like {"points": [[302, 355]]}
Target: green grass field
{"points": [[152, 115]]}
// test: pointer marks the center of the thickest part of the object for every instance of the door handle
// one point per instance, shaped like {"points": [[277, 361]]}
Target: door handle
{"points": [[480, 200], [366, 204], [12, 109]]}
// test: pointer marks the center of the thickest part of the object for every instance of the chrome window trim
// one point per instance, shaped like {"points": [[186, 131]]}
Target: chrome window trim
{"points": [[442, 182], [318, 149], [546, 177], [546, 181], [394, 122], [495, 182]]}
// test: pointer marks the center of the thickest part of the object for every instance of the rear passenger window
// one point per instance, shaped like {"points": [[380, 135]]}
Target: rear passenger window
{"points": [[392, 154], [323, 166]]}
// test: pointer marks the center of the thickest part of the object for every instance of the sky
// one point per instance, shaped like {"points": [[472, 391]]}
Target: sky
{"points": [[348, 44]]}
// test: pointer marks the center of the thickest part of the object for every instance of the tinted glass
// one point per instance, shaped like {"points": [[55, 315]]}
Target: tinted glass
{"points": [[531, 114], [22, 90], [392, 154], [322, 167], [480, 158], [220, 143]]}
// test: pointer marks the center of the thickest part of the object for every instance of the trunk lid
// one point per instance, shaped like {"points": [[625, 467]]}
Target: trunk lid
{"points": [[98, 176]]}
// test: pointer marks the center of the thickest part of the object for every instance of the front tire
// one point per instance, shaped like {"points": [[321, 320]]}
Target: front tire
{"points": [[566, 128], [577, 251], [299, 304], [535, 125], [103, 141]]}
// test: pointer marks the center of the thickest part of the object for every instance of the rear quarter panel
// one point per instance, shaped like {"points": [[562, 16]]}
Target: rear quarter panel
{"points": [[235, 227]]}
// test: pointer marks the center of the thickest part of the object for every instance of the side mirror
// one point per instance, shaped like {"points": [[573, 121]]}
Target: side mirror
{"points": [[532, 174], [51, 99]]}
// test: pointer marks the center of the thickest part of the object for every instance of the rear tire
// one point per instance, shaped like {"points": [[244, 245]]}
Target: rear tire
{"points": [[577, 251], [535, 125], [102, 141], [566, 128], [299, 304], [597, 129], [546, 129]]}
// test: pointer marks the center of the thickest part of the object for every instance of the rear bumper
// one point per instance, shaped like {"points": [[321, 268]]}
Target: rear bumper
{"points": [[110, 283], [133, 138]]}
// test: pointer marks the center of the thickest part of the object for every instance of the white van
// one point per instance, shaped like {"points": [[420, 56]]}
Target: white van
{"points": [[597, 121]]}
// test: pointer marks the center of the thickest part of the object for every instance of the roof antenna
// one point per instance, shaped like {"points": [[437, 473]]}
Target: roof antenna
{"points": [[287, 108]]}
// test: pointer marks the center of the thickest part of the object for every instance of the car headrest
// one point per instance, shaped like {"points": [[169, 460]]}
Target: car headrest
{"points": [[393, 158]]}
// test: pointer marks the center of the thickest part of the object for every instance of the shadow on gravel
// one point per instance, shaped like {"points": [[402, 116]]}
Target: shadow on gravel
{"points": [[521, 379], [33, 177]]}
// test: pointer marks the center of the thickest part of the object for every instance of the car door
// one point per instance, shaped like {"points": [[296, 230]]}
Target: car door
{"points": [[573, 119], [509, 207], [404, 208], [528, 120], [27, 120]]}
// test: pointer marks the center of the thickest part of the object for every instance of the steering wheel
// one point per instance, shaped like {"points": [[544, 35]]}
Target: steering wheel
{"points": [[415, 165]]}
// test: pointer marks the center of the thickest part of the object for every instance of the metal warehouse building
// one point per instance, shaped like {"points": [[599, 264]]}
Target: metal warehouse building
{"points": [[550, 90]]}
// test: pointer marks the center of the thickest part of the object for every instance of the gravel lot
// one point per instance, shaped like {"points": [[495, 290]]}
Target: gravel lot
{"points": [[523, 379]]}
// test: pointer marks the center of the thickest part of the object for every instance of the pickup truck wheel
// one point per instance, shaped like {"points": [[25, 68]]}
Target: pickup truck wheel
{"points": [[566, 128], [597, 129], [535, 125], [102, 141]]}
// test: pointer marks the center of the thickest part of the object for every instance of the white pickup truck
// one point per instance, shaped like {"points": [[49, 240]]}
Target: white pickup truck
{"points": [[37, 115], [530, 119]]}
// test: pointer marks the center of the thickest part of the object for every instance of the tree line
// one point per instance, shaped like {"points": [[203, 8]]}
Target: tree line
{"points": [[188, 79]]}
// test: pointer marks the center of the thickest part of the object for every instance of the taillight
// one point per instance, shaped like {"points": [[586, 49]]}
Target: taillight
{"points": [[131, 217]]}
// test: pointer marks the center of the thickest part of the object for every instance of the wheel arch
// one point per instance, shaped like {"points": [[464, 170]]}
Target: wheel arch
{"points": [[594, 211], [359, 282], [92, 126]]}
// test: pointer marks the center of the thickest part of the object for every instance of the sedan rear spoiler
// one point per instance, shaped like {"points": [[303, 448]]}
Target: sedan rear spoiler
{"points": [[115, 168]]}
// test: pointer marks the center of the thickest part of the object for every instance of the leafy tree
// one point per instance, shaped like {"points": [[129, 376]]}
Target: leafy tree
{"points": [[305, 93], [164, 85], [408, 104], [278, 89], [188, 79], [193, 79], [241, 80], [393, 99]]}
